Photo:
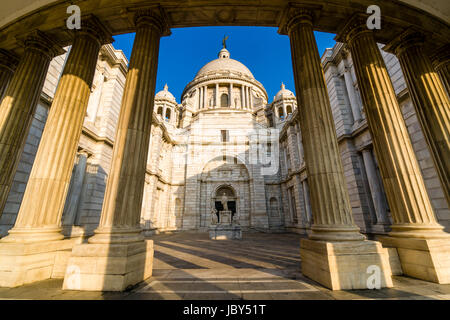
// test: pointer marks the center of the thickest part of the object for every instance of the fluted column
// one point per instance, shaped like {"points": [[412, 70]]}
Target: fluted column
{"points": [[120, 216], [19, 103], [73, 198], [441, 63], [329, 196], [217, 96], [42, 206], [376, 189], [231, 96], [430, 100], [352, 95], [8, 64], [405, 189]]}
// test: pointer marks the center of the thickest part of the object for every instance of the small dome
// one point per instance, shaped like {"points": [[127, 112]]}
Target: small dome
{"points": [[224, 63], [284, 93], [165, 94]]}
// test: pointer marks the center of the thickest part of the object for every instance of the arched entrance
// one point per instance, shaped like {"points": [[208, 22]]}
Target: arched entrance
{"points": [[229, 177]]}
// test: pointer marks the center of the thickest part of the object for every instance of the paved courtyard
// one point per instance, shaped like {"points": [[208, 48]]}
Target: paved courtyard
{"points": [[260, 266]]}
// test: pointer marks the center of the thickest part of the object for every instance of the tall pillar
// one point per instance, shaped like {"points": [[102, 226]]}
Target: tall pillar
{"points": [[247, 97], [250, 98], [242, 97], [307, 200], [200, 104], [37, 229], [336, 254], [231, 96], [19, 103], [74, 193], [415, 231], [205, 97], [352, 95], [8, 64], [375, 187], [441, 63], [430, 100], [117, 256], [300, 145], [217, 96]]}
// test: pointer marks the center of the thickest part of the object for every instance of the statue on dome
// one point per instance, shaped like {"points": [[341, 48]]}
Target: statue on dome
{"points": [[224, 42]]}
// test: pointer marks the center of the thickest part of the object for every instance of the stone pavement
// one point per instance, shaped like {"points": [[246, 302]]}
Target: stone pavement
{"points": [[260, 266]]}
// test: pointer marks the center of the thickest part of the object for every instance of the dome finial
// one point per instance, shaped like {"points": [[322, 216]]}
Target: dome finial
{"points": [[282, 85], [224, 42], [166, 87]]}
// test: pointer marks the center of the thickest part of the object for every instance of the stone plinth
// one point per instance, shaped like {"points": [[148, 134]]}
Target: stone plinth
{"points": [[426, 259], [108, 267], [225, 232], [344, 265], [23, 263]]}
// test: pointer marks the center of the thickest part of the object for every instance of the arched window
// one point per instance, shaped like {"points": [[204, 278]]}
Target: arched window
{"points": [[289, 109], [160, 111], [224, 100], [281, 113], [168, 114]]}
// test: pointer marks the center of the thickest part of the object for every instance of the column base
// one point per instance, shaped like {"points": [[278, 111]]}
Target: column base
{"points": [[22, 263], [425, 259], [108, 267], [344, 265]]}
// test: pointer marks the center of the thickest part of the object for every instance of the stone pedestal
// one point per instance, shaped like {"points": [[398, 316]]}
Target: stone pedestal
{"points": [[226, 229], [426, 259], [23, 263], [225, 232], [108, 267], [345, 265]]}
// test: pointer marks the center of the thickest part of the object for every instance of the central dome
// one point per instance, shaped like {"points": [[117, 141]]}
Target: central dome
{"points": [[224, 64]]}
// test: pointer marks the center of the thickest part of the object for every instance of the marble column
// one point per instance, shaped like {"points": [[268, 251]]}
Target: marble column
{"points": [[8, 64], [118, 239], [231, 96], [42, 205], [376, 190], [36, 238], [430, 100], [205, 96], [19, 103], [441, 63], [74, 194], [242, 97], [413, 217], [250, 98], [200, 104], [217, 96], [352, 95], [334, 235], [307, 200]]}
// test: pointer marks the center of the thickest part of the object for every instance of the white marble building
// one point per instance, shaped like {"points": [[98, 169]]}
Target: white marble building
{"points": [[204, 146]]}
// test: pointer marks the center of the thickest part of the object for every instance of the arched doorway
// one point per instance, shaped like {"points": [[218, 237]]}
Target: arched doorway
{"points": [[229, 193]]}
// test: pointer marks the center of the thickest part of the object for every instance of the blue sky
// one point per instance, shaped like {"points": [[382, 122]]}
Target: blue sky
{"points": [[261, 49]]}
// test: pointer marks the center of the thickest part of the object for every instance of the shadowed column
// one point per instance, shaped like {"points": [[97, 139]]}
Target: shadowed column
{"points": [[336, 254], [405, 189], [430, 100], [117, 255], [19, 103], [441, 63], [8, 64], [40, 213]]}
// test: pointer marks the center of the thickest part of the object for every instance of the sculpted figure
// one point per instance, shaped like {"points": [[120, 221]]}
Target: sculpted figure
{"points": [[224, 201], [214, 216]]}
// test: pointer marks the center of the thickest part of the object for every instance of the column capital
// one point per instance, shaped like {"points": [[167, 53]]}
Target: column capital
{"points": [[407, 39], [441, 57], [154, 17], [93, 27], [356, 25], [8, 60], [39, 41], [294, 15]]}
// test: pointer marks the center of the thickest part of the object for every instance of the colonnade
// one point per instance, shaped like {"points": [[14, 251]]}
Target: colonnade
{"points": [[336, 254]]}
